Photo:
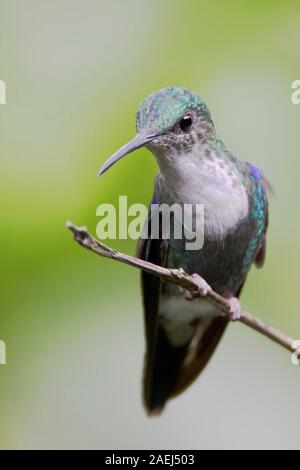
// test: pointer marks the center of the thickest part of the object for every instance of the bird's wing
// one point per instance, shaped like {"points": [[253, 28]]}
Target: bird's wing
{"points": [[258, 188], [261, 254], [150, 250]]}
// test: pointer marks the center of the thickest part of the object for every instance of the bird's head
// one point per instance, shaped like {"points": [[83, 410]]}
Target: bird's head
{"points": [[168, 122]]}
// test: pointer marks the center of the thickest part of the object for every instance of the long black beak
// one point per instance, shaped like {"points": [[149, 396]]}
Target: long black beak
{"points": [[139, 141]]}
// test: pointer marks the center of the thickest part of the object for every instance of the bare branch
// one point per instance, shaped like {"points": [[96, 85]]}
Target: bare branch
{"points": [[180, 277]]}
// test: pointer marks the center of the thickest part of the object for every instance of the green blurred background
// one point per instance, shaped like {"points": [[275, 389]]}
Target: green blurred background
{"points": [[75, 74]]}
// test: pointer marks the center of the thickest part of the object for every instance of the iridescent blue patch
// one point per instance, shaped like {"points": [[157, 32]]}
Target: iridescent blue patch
{"points": [[254, 171]]}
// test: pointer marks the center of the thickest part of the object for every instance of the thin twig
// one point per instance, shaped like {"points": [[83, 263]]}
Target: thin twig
{"points": [[180, 277]]}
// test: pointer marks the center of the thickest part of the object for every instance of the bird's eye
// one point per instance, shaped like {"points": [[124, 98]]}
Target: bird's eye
{"points": [[186, 123]]}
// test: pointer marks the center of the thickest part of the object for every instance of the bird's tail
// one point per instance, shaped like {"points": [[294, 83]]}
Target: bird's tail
{"points": [[169, 370]]}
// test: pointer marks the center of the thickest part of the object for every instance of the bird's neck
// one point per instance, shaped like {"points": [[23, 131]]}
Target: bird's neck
{"points": [[204, 176]]}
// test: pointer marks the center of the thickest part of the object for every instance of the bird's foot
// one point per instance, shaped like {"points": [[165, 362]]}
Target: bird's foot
{"points": [[235, 309], [202, 288]]}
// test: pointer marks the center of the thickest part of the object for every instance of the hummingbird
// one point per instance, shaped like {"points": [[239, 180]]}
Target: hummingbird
{"points": [[182, 330]]}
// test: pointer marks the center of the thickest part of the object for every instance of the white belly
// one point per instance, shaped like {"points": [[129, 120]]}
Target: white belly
{"points": [[179, 316]]}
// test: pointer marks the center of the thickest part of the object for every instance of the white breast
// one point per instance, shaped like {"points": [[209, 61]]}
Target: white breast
{"points": [[212, 182]]}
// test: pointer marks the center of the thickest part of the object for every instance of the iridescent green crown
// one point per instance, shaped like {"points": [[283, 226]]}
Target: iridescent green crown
{"points": [[162, 109]]}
